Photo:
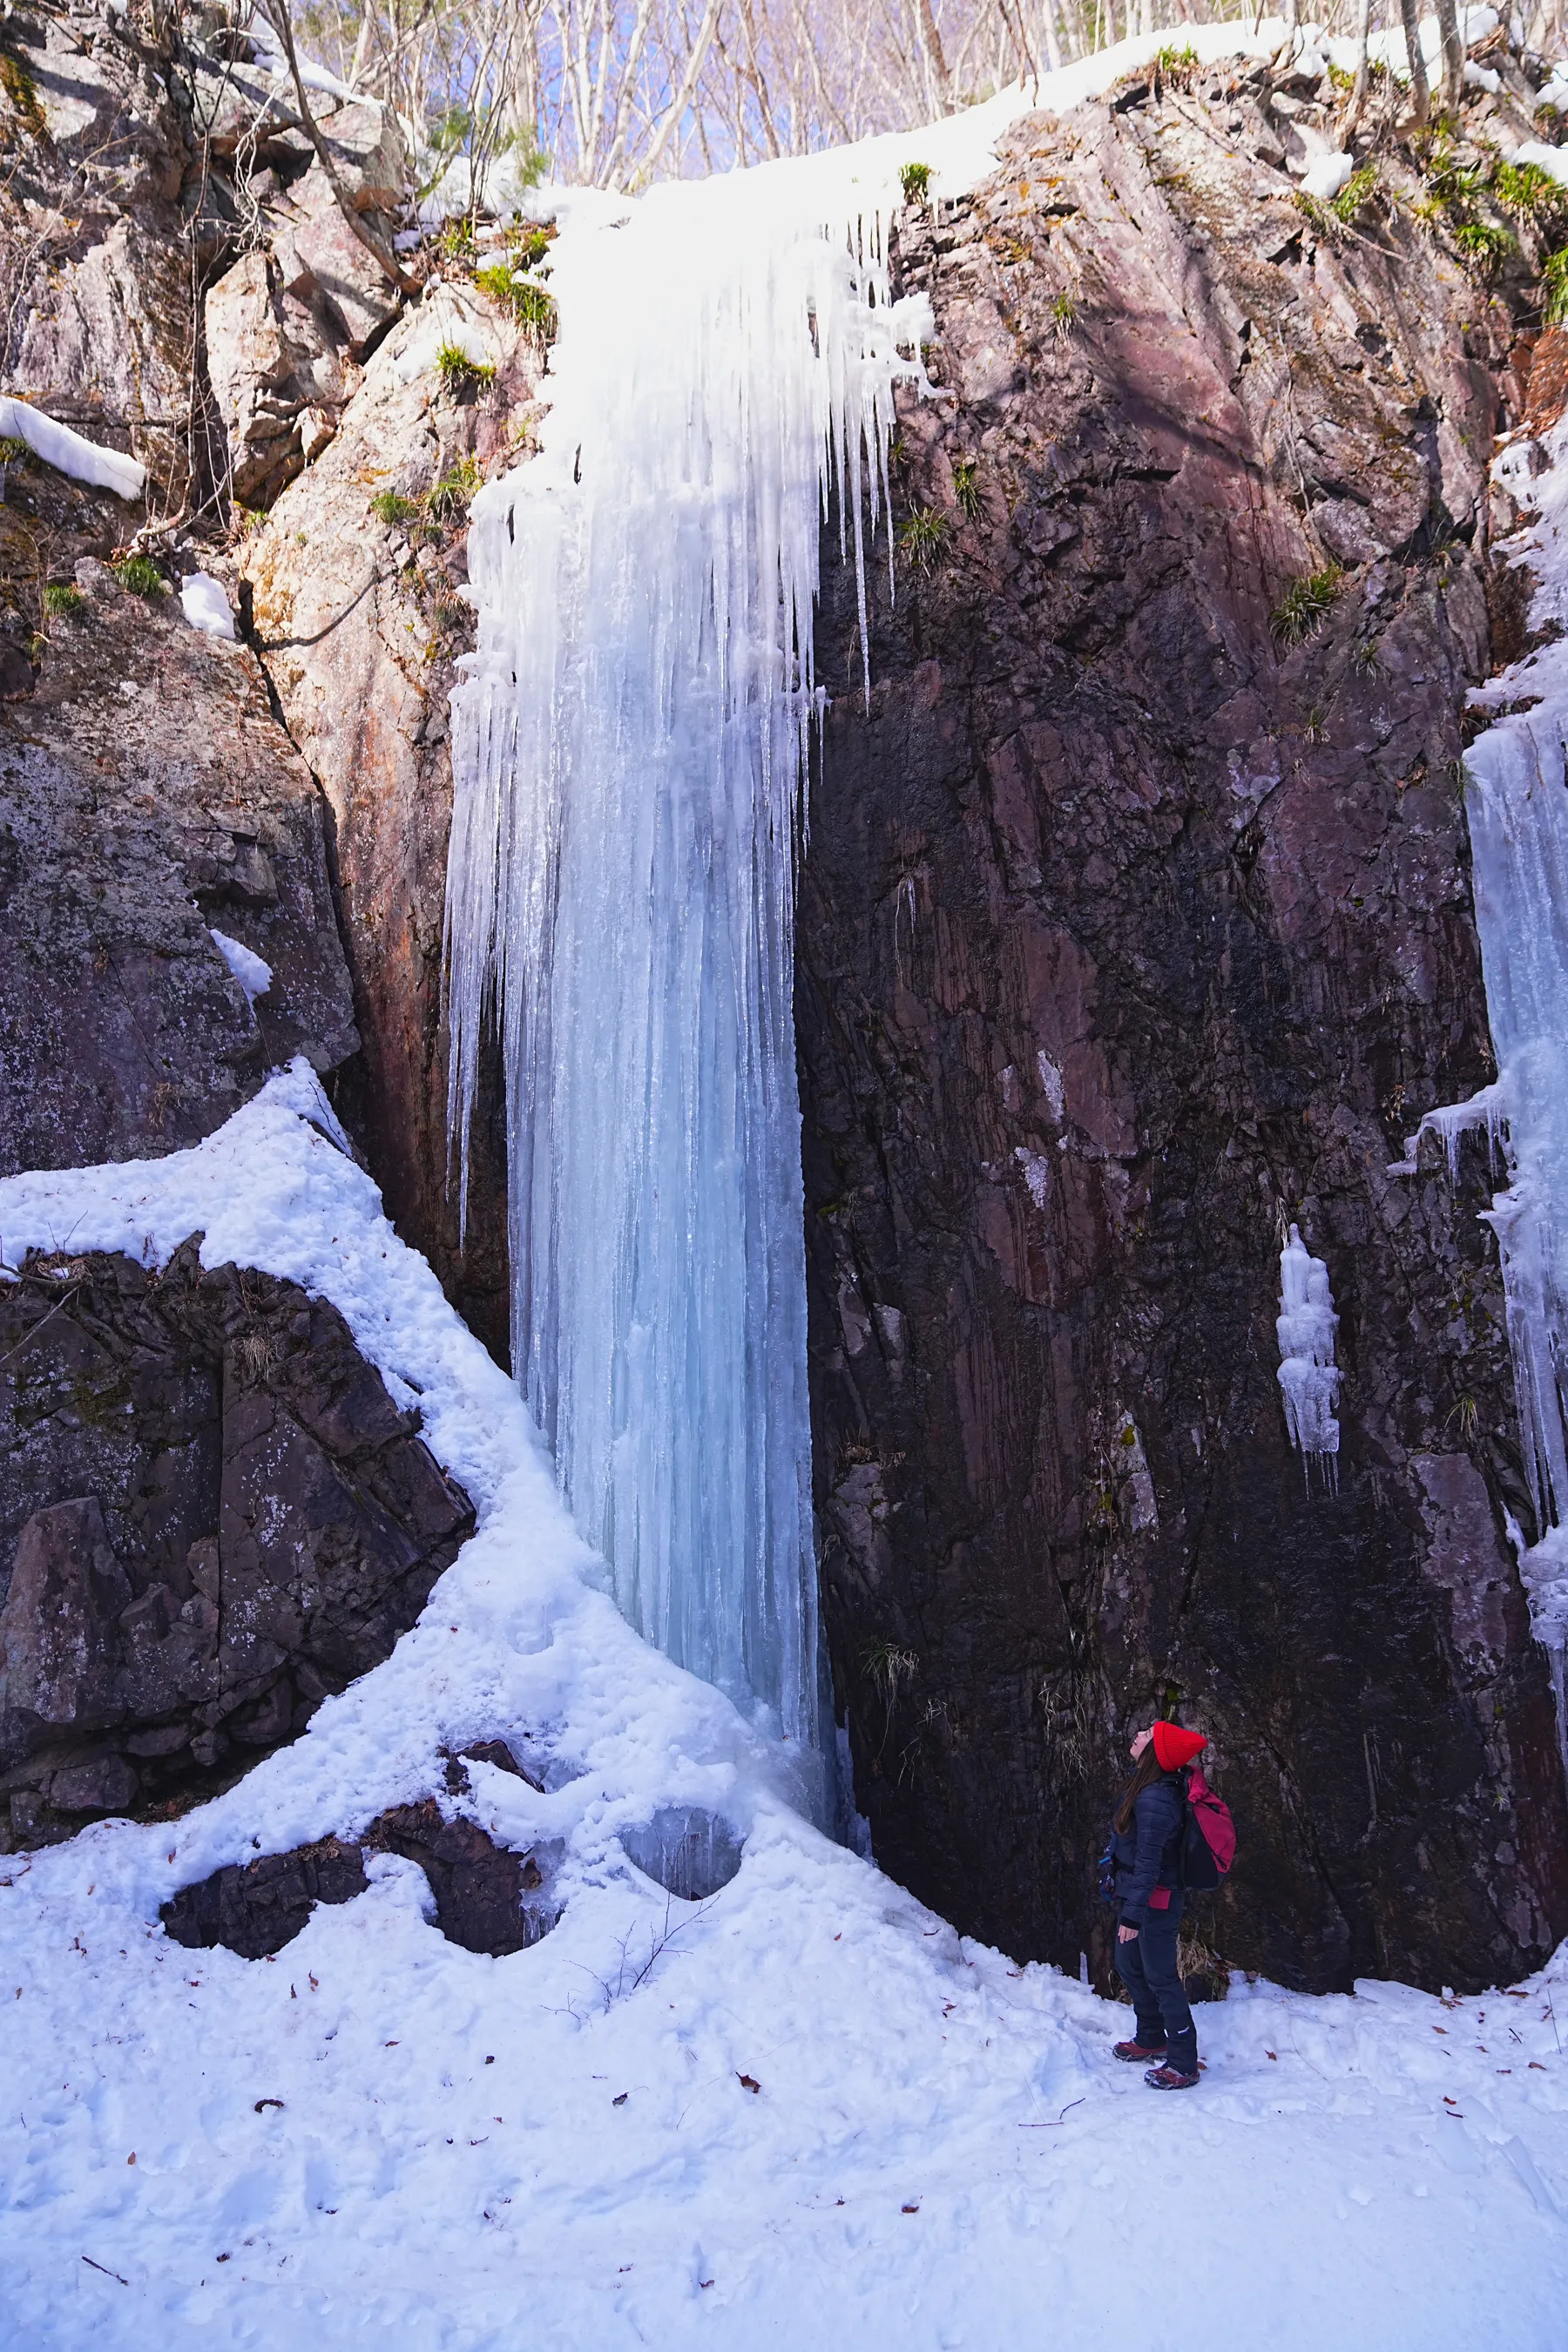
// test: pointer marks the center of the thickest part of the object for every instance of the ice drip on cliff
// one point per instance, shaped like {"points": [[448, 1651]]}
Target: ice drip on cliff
{"points": [[1308, 1376], [628, 753]]}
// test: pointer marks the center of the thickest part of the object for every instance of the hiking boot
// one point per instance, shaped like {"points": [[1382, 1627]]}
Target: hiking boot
{"points": [[1170, 2078], [1138, 2054]]}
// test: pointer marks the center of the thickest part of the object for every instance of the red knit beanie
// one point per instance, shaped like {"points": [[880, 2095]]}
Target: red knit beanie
{"points": [[1173, 1747]]}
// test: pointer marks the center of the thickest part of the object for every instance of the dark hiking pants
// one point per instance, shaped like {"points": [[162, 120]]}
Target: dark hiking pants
{"points": [[1147, 1966]]}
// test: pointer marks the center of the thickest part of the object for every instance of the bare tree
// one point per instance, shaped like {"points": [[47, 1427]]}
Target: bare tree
{"points": [[1420, 95], [1453, 56], [1357, 92], [615, 91]]}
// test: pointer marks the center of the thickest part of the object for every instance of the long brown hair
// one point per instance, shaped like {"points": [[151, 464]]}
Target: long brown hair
{"points": [[1150, 1769]]}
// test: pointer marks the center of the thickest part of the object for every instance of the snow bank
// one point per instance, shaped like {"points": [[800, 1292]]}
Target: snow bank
{"points": [[447, 318], [800, 2116], [1553, 161], [57, 446], [1325, 175]]}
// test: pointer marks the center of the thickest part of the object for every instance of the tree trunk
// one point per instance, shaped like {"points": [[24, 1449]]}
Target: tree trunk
{"points": [[1420, 95], [1453, 56], [1358, 93]]}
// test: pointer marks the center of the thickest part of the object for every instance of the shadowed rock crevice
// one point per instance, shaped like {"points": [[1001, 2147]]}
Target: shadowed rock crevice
{"points": [[211, 1516]]}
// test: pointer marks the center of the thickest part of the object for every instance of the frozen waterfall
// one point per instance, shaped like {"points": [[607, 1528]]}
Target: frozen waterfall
{"points": [[627, 756], [1516, 801]]}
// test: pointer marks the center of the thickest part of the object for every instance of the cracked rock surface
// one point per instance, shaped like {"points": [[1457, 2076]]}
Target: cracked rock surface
{"points": [[211, 1516], [147, 798], [1136, 925]]}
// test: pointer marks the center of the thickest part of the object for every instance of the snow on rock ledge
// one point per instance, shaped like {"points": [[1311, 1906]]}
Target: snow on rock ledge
{"points": [[1325, 175], [57, 446]]}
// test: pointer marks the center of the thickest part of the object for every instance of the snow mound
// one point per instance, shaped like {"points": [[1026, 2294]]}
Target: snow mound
{"points": [[1325, 175]]}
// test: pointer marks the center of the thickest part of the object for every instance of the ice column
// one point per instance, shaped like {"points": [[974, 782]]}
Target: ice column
{"points": [[1517, 806], [1307, 1375], [628, 752], [1516, 802]]}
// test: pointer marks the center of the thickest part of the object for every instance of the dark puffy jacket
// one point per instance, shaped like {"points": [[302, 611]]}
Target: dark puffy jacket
{"points": [[1147, 1855]]}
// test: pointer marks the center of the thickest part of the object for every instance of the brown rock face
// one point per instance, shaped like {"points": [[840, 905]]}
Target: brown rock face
{"points": [[96, 327], [360, 626], [147, 798], [1135, 925], [211, 1516]]}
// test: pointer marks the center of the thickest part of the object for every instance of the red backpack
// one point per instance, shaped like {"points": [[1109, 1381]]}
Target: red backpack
{"points": [[1208, 1836]]}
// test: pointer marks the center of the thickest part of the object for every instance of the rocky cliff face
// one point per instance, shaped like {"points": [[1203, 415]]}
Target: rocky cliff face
{"points": [[149, 800], [359, 621], [1135, 926], [211, 1514]]}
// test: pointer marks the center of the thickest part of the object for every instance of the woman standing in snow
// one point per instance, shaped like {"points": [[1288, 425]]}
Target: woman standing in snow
{"points": [[1146, 1851]]}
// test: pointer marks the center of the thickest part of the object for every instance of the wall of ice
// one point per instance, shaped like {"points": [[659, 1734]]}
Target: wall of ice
{"points": [[1516, 801], [628, 752], [1308, 1376]]}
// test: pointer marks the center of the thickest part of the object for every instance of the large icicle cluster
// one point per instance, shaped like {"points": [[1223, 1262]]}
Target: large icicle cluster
{"points": [[627, 751], [1307, 1375], [1516, 801], [628, 755]]}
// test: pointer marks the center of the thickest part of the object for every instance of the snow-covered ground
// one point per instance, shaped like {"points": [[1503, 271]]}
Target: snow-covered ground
{"points": [[558, 2148]]}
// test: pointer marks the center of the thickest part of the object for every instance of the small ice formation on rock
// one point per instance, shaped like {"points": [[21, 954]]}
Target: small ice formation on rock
{"points": [[688, 1852], [253, 973], [1036, 1173], [1308, 1374]]}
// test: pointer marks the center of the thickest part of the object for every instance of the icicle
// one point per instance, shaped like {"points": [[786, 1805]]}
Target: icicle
{"points": [[628, 758], [1308, 1374], [1489, 1108]]}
